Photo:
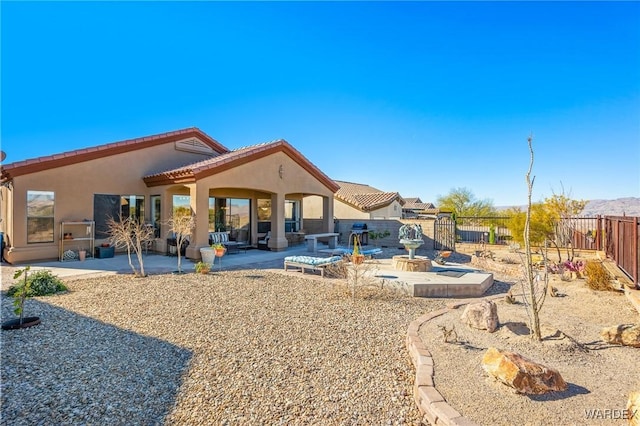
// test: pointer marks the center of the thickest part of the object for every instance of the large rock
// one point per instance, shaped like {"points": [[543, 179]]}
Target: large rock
{"points": [[633, 409], [625, 334], [482, 315], [522, 374]]}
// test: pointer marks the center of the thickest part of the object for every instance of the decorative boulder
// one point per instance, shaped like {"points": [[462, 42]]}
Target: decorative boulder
{"points": [[522, 374], [633, 409], [625, 334], [482, 315]]}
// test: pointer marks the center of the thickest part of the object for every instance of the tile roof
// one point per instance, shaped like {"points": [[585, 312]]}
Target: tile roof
{"points": [[237, 157], [365, 197], [416, 204], [32, 165]]}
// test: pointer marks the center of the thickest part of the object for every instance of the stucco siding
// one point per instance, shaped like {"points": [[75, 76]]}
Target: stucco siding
{"points": [[74, 187]]}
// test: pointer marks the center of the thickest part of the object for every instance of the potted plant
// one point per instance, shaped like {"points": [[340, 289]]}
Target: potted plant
{"points": [[19, 297], [219, 249], [356, 257], [202, 267]]}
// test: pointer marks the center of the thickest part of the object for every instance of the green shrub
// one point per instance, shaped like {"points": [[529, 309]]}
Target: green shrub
{"points": [[597, 276], [41, 283]]}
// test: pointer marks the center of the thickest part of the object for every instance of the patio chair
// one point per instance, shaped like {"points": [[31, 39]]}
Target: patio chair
{"points": [[263, 244]]}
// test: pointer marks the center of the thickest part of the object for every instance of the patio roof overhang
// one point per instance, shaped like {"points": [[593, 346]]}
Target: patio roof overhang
{"points": [[230, 160]]}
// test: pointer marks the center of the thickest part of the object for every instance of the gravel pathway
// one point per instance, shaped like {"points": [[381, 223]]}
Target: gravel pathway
{"points": [[237, 347]]}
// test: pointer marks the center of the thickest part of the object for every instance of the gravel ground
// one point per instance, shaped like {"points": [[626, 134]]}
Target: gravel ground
{"points": [[237, 347], [600, 376], [263, 347]]}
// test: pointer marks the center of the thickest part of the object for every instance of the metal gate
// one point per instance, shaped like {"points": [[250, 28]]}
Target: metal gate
{"points": [[622, 240], [444, 234]]}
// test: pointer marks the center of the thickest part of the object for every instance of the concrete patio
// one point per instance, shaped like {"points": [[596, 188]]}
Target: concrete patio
{"points": [[449, 280]]}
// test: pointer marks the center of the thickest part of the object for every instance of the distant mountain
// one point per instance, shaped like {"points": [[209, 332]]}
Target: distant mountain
{"points": [[629, 206]]}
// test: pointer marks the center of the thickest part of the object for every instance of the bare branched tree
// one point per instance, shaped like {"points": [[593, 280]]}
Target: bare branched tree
{"points": [[534, 286], [130, 234], [182, 226]]}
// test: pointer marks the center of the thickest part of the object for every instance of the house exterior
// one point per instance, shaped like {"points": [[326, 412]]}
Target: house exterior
{"points": [[246, 190], [414, 207], [359, 201]]}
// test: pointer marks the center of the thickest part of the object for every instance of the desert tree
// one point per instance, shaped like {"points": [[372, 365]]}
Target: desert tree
{"points": [[133, 235], [541, 224], [463, 202], [181, 224]]}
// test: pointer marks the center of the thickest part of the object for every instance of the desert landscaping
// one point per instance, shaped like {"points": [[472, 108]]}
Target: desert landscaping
{"points": [[262, 345]]}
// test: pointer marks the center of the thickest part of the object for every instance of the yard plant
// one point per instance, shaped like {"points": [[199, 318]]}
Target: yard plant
{"points": [[39, 283]]}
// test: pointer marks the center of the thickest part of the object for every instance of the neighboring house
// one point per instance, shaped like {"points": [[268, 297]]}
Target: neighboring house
{"points": [[250, 189], [358, 201], [414, 207]]}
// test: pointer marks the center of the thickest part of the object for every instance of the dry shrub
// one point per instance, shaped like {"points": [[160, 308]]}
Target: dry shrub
{"points": [[597, 276]]}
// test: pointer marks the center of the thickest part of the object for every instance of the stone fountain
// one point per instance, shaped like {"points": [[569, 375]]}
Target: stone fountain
{"points": [[410, 236]]}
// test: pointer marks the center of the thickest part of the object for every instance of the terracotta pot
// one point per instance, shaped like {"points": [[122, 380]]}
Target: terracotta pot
{"points": [[220, 252], [358, 259]]}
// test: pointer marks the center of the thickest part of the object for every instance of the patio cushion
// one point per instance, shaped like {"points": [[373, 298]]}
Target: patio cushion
{"points": [[218, 237]]}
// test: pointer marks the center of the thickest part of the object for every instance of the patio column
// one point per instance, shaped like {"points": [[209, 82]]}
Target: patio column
{"points": [[327, 214], [199, 198], [301, 204], [278, 241], [166, 210]]}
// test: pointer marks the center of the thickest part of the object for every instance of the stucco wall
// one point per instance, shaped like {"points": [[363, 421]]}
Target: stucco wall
{"points": [[263, 175], [313, 210], [75, 185]]}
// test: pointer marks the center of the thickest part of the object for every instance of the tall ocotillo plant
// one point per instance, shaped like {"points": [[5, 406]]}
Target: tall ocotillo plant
{"points": [[534, 293]]}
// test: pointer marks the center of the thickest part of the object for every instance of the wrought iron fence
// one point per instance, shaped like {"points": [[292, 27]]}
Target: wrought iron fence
{"points": [[487, 229], [618, 236]]}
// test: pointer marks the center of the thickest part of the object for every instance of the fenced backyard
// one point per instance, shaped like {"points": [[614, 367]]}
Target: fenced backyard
{"points": [[617, 236]]}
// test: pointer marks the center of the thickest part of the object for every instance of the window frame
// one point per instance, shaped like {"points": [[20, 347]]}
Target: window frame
{"points": [[49, 217]]}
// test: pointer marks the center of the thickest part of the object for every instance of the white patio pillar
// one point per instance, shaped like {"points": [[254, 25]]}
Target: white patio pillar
{"points": [[278, 241]]}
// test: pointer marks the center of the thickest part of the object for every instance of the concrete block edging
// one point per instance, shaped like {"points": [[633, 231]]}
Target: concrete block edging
{"points": [[429, 401]]}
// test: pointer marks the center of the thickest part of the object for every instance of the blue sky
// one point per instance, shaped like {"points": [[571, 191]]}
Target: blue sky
{"points": [[416, 97]]}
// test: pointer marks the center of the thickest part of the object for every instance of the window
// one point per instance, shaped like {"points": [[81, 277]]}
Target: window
{"points": [[107, 206], [40, 219], [132, 206], [264, 209], [264, 216], [291, 216], [181, 205], [156, 214], [230, 214]]}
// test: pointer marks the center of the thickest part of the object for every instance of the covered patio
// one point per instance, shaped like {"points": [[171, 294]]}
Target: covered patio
{"points": [[246, 193]]}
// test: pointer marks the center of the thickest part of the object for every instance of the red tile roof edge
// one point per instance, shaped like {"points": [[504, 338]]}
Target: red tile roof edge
{"points": [[236, 158], [32, 165]]}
